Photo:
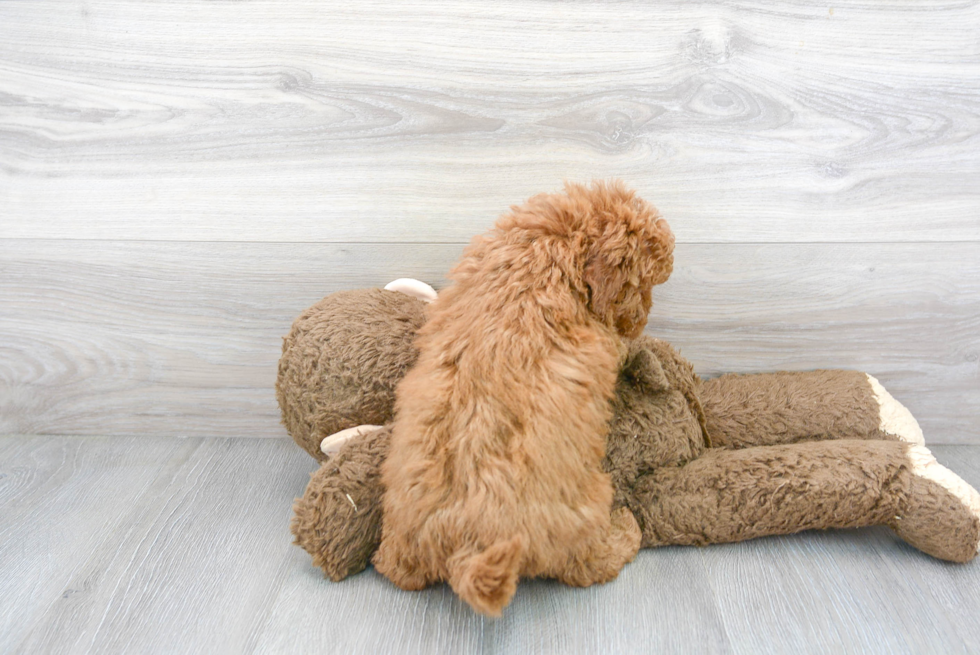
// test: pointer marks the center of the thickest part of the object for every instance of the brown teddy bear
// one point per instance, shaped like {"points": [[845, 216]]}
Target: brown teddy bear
{"points": [[696, 461]]}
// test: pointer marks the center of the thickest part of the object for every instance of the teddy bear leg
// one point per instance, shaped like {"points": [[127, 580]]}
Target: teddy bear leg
{"points": [[726, 496], [338, 519], [789, 407], [602, 560]]}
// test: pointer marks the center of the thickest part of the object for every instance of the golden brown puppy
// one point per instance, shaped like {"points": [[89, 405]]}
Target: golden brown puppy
{"points": [[499, 432]]}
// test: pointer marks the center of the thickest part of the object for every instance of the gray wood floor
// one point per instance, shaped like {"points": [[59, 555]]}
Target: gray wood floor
{"points": [[163, 545]]}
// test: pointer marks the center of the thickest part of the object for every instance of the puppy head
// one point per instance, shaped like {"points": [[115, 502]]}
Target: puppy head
{"points": [[612, 246], [629, 250]]}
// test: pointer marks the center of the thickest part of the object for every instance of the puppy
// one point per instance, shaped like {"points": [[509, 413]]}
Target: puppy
{"points": [[500, 428]]}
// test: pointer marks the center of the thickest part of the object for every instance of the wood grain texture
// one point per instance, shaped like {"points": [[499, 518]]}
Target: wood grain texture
{"points": [[183, 338], [161, 545], [949, 593], [771, 582], [873, 592], [544, 617], [421, 122], [179, 179], [61, 500], [198, 556]]}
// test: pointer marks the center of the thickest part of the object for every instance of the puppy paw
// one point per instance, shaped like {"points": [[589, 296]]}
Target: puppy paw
{"points": [[331, 444], [942, 517], [414, 288], [895, 419], [626, 531]]}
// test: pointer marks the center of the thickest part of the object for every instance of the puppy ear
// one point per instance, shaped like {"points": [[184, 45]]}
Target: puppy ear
{"points": [[605, 279]]}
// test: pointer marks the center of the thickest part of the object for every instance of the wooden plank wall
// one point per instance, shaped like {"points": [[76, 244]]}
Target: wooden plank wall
{"points": [[179, 179]]}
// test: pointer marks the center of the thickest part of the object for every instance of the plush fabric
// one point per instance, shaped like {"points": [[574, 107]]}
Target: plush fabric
{"points": [[341, 362], [784, 407], [695, 462], [338, 519]]}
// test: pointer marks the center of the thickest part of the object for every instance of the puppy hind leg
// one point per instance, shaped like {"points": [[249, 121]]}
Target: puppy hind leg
{"points": [[406, 572], [601, 560]]}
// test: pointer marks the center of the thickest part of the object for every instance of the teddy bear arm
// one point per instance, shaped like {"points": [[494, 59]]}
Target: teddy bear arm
{"points": [[733, 495], [790, 407], [338, 519]]}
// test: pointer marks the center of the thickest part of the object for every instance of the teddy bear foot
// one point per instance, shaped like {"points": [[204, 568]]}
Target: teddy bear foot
{"points": [[942, 517], [332, 443], [895, 418]]}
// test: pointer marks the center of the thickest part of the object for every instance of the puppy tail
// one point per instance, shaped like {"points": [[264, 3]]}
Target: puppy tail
{"points": [[487, 580]]}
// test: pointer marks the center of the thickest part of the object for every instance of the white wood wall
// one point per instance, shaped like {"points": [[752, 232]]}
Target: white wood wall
{"points": [[179, 179]]}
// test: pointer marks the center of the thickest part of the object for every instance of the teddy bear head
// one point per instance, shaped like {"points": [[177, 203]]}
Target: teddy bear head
{"points": [[341, 362]]}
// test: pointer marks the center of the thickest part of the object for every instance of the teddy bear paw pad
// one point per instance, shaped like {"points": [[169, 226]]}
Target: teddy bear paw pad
{"points": [[332, 443], [895, 418]]}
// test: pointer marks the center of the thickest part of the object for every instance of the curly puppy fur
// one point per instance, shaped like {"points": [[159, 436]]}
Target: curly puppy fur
{"points": [[499, 432]]}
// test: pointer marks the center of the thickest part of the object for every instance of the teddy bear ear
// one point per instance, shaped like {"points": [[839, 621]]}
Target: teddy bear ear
{"points": [[643, 370]]}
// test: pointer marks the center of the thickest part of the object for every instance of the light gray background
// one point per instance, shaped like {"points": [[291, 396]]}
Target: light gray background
{"points": [[178, 180]]}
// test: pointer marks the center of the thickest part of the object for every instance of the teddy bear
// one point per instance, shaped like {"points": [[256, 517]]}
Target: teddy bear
{"points": [[696, 461]]}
